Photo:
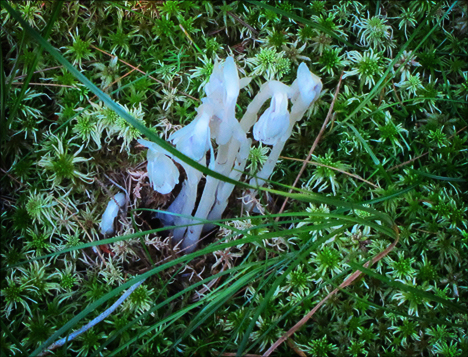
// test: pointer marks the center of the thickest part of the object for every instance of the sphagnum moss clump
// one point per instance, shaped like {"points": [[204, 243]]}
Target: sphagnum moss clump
{"points": [[392, 158]]}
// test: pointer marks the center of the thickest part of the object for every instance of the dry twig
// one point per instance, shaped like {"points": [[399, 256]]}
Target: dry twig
{"points": [[344, 284], [238, 19], [332, 168], [44, 84], [295, 348], [408, 162], [314, 145], [142, 72], [114, 82]]}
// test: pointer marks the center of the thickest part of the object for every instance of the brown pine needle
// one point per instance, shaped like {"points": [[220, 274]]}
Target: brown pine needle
{"points": [[331, 168], [117, 80], [424, 154], [45, 84], [408, 162], [143, 72], [295, 348], [242, 22], [314, 145], [344, 284]]}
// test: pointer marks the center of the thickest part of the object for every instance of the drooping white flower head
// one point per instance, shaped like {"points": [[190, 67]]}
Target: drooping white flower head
{"points": [[193, 140], [112, 210], [214, 89], [274, 122], [306, 89], [162, 172]]}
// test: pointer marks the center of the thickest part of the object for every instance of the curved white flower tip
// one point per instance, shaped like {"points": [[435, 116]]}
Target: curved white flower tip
{"points": [[214, 87], [309, 84], [194, 139], [244, 82], [153, 146], [112, 209], [162, 172], [231, 81], [274, 122]]}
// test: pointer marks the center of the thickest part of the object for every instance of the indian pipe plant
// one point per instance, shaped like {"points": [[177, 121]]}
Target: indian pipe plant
{"points": [[234, 178]]}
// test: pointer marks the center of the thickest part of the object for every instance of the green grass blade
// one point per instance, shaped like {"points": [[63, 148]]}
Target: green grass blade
{"points": [[299, 256], [214, 305], [78, 113], [80, 316], [436, 177], [387, 76], [18, 344], [3, 99], [339, 220], [319, 287], [431, 321], [144, 130], [116, 107], [370, 152], [165, 303], [389, 197], [32, 67], [183, 259], [15, 65]]}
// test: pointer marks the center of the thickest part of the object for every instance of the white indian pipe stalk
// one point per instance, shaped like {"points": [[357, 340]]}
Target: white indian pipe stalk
{"points": [[304, 91], [222, 91], [266, 92], [225, 189], [216, 119], [193, 141], [190, 195], [111, 212]]}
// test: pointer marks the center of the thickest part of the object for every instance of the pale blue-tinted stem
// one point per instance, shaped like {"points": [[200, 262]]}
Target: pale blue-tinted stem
{"points": [[98, 319]]}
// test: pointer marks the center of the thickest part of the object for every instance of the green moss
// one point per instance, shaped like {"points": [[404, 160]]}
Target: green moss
{"points": [[407, 166]]}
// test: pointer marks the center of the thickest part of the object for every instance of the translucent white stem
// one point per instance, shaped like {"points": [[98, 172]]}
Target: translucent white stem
{"points": [[221, 165], [269, 165], [193, 232], [191, 183], [225, 189], [247, 121], [184, 203], [176, 207], [95, 321]]}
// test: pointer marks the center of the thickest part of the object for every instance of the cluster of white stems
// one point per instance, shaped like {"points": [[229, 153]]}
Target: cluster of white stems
{"points": [[216, 120]]}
